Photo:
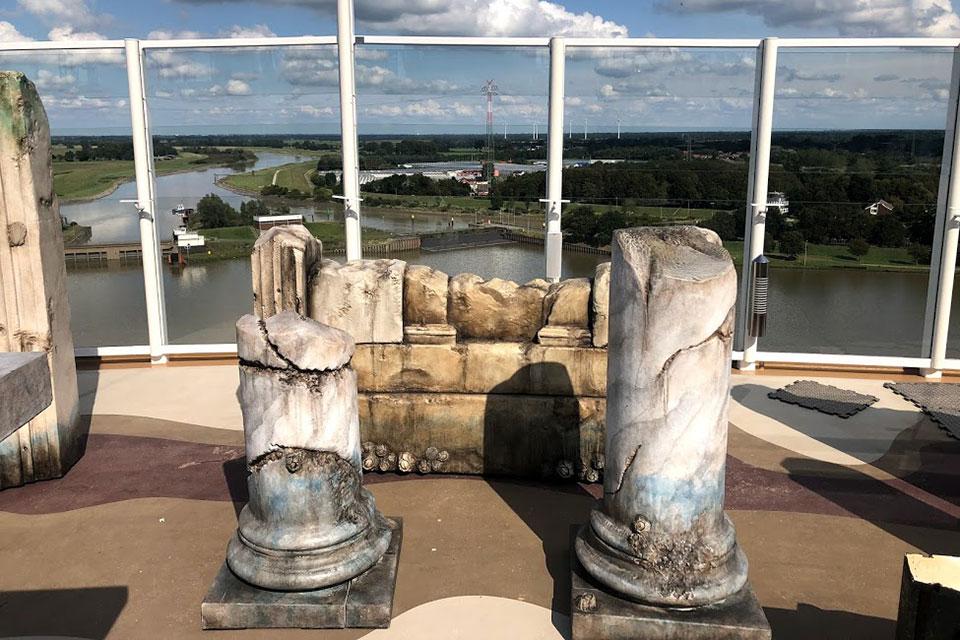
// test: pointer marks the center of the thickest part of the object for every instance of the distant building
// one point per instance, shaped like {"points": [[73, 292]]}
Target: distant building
{"points": [[268, 222], [779, 200], [881, 206]]}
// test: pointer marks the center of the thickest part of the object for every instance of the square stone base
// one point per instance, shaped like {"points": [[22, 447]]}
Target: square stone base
{"points": [[597, 614], [364, 602], [430, 334]]}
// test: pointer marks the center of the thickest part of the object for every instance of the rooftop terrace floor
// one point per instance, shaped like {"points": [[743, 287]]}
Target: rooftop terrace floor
{"points": [[127, 543]]}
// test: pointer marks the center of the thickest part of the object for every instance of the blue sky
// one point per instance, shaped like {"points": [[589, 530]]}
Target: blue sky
{"points": [[431, 89]]}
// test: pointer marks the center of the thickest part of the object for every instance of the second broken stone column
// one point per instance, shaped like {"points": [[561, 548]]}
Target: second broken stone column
{"points": [[309, 523]]}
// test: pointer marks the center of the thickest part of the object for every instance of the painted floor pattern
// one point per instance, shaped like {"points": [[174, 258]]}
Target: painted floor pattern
{"points": [[127, 543]]}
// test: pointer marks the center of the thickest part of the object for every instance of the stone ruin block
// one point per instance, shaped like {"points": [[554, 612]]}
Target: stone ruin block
{"points": [[281, 262], [600, 304], [929, 598], [425, 306], [362, 297], [496, 309], [34, 311], [566, 314]]}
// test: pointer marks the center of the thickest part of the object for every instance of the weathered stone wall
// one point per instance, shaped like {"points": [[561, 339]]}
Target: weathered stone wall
{"points": [[460, 374]]}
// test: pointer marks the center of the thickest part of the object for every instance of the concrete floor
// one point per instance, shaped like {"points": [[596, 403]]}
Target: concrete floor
{"points": [[126, 545]]}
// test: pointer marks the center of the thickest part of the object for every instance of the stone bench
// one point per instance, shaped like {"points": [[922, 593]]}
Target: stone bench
{"points": [[499, 377]]}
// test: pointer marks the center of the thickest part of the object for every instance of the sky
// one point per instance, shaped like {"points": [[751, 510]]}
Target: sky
{"points": [[434, 89]]}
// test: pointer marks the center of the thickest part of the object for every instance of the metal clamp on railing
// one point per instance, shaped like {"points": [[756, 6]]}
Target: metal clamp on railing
{"points": [[758, 296], [759, 210], [141, 210]]}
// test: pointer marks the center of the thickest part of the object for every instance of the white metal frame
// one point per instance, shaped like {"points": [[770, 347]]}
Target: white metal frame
{"points": [[746, 354]]}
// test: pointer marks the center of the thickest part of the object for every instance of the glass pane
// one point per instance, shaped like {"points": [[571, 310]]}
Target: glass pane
{"points": [[84, 93], [856, 156], [657, 137], [240, 133]]}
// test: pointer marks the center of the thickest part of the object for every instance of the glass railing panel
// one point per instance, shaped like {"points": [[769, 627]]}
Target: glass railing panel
{"points": [[429, 165], [249, 132], [857, 144], [84, 93]]}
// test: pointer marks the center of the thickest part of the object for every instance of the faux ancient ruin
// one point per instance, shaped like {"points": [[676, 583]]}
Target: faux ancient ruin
{"points": [[456, 374], [309, 529], [34, 311], [660, 539]]}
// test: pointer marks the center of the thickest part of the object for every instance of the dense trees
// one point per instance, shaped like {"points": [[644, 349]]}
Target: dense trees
{"points": [[212, 212], [417, 185]]}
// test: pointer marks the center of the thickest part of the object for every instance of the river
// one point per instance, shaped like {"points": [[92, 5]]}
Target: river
{"points": [[826, 311]]}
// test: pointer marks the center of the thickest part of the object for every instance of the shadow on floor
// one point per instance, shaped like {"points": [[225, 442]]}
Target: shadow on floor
{"points": [[75, 613], [530, 436], [235, 474], [917, 523], [808, 621]]}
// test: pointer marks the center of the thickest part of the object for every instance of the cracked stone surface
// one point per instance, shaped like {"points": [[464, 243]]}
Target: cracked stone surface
{"points": [[496, 309], [424, 295], [309, 524], [600, 304], [362, 297], [34, 309], [281, 262], [661, 536]]}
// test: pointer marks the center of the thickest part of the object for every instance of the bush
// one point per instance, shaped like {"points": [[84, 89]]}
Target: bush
{"points": [[791, 243], [858, 247]]}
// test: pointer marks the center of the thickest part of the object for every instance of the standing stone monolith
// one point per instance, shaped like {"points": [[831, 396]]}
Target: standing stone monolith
{"points": [[661, 537], [309, 524], [34, 311]]}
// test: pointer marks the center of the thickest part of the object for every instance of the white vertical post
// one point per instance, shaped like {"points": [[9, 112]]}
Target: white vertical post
{"points": [[943, 259], [554, 239], [757, 186], [146, 204], [348, 128]]}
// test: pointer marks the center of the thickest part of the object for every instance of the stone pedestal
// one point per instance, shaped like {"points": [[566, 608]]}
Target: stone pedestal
{"points": [[309, 524], [34, 312], [661, 538], [929, 598]]}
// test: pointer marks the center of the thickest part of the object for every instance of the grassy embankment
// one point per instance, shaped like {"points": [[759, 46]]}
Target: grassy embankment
{"points": [[828, 256], [295, 175], [237, 242], [89, 180]]}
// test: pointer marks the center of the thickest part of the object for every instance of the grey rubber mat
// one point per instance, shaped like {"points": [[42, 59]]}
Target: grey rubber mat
{"points": [[939, 400], [823, 398]]}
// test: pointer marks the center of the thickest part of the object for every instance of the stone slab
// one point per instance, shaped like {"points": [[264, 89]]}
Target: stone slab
{"points": [[597, 614], [364, 602], [429, 334], [24, 388]]}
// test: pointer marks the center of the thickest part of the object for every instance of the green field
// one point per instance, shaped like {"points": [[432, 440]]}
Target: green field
{"points": [[295, 175], [237, 242], [331, 234], [96, 178], [826, 256]]}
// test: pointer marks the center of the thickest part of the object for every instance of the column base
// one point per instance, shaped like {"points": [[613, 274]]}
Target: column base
{"points": [[364, 602], [597, 614]]}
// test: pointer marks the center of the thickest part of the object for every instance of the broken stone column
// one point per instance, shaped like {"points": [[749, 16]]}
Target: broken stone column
{"points": [[661, 537], [362, 297], [281, 262], [309, 524], [425, 306], [34, 312]]}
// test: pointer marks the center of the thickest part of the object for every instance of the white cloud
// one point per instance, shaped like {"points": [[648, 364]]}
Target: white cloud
{"points": [[9, 33], [256, 31], [46, 80], [72, 13], [468, 17], [232, 88], [78, 57], [174, 65], [846, 17], [315, 112]]}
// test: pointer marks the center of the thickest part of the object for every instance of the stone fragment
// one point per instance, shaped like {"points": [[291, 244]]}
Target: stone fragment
{"points": [[362, 297], [24, 388], [567, 304], [929, 598], [661, 537], [429, 334], [281, 262], [496, 309], [424, 296], [34, 311], [600, 304], [564, 337], [252, 345], [308, 524]]}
